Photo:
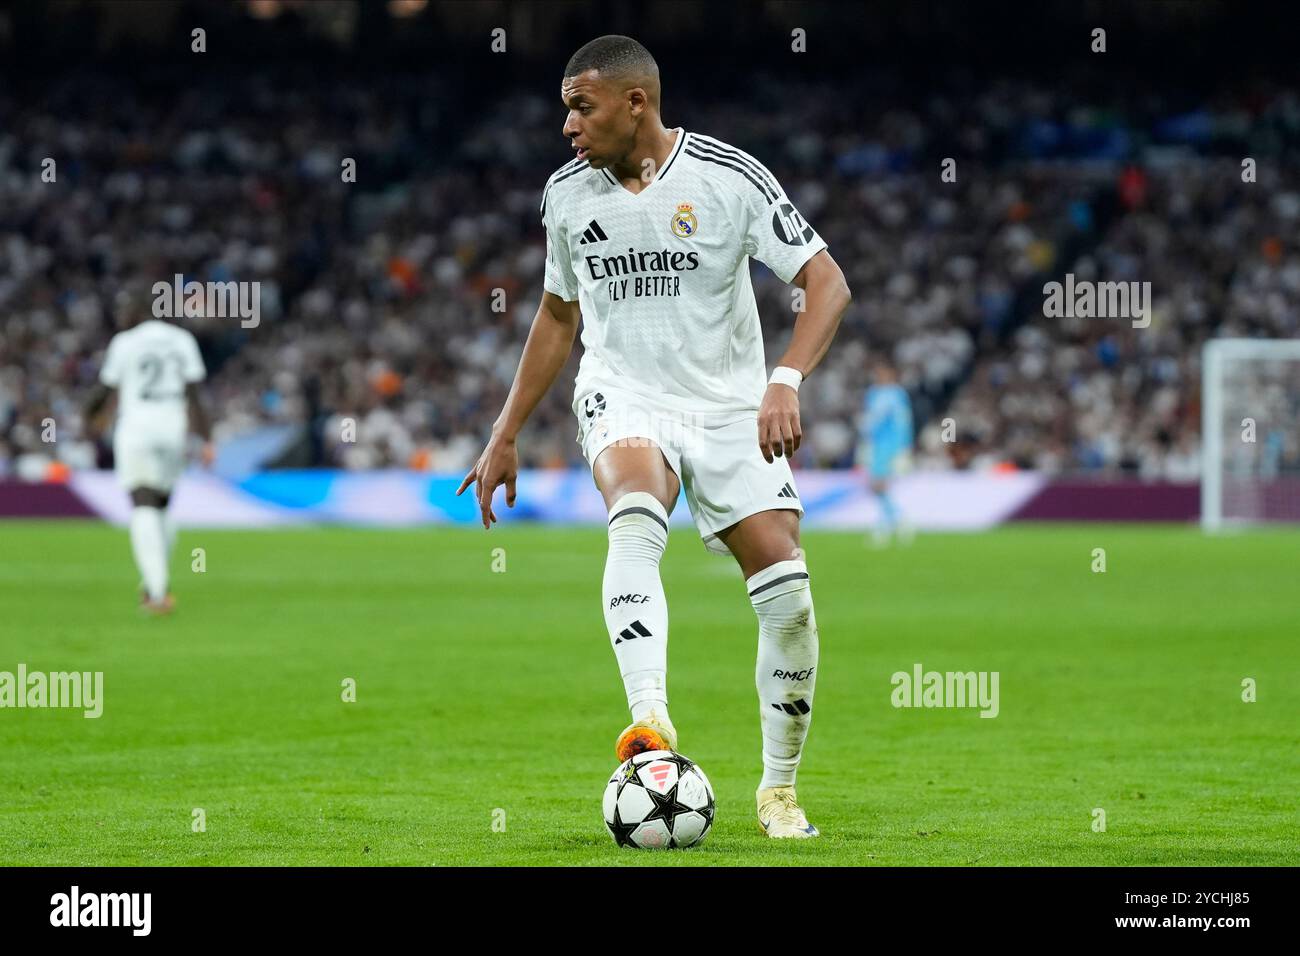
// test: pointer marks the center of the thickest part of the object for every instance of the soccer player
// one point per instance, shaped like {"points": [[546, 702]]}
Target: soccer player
{"points": [[649, 231], [155, 367], [886, 440]]}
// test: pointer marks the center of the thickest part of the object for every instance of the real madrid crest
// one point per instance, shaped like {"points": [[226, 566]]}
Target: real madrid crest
{"points": [[684, 221]]}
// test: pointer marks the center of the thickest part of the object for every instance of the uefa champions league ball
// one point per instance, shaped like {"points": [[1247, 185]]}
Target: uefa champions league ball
{"points": [[658, 799]]}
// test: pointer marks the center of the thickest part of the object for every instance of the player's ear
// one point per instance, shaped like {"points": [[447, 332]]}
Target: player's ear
{"points": [[637, 100]]}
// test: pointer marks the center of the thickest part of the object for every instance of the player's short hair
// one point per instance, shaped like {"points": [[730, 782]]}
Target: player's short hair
{"points": [[614, 55], [130, 302]]}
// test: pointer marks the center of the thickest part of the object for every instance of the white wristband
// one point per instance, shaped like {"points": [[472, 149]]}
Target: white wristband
{"points": [[784, 375]]}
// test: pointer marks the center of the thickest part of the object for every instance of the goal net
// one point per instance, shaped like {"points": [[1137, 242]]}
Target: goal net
{"points": [[1250, 408]]}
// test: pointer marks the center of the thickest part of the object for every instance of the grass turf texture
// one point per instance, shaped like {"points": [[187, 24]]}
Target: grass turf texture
{"points": [[479, 690]]}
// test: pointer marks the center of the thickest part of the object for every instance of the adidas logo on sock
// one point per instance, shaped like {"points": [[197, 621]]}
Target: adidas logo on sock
{"points": [[787, 492], [800, 706], [631, 632], [593, 233]]}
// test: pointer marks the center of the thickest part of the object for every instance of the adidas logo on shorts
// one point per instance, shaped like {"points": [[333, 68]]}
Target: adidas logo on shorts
{"points": [[787, 492]]}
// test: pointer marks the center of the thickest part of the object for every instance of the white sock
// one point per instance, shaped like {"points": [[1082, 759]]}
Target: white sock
{"points": [[787, 662], [169, 533], [636, 613], [149, 545]]}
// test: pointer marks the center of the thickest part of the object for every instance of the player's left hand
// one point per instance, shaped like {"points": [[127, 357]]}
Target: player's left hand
{"points": [[779, 433], [208, 454]]}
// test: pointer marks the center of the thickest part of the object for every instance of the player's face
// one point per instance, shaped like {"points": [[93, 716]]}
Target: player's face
{"points": [[127, 309], [600, 123]]}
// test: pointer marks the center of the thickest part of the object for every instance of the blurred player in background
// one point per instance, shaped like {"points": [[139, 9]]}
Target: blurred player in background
{"points": [[649, 235], [155, 367], [886, 446]]}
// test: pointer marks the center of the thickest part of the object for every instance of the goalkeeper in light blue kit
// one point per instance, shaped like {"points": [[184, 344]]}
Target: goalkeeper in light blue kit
{"points": [[886, 445]]}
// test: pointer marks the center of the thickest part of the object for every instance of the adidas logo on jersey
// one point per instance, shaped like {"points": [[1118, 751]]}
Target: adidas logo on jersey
{"points": [[593, 233], [787, 492]]}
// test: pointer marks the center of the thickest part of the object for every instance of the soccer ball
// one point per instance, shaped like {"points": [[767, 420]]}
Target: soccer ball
{"points": [[658, 799]]}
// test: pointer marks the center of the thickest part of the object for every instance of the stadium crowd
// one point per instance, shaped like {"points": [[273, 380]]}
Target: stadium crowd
{"points": [[401, 302]]}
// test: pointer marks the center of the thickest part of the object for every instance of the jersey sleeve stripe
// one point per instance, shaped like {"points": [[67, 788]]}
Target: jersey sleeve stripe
{"points": [[571, 164], [564, 172], [734, 166], [716, 147], [768, 186], [571, 172]]}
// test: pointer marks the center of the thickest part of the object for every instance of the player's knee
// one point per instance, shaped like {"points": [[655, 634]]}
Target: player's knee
{"points": [[148, 498], [778, 579], [781, 550], [782, 597], [638, 526]]}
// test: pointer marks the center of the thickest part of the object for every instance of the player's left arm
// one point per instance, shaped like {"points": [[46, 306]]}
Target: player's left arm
{"points": [[193, 371], [200, 421], [95, 404], [826, 296]]}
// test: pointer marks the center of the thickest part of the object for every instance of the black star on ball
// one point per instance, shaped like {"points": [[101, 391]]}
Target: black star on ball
{"points": [[666, 807], [707, 812], [622, 831], [683, 763]]}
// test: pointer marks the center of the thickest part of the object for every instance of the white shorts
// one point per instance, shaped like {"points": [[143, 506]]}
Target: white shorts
{"points": [[715, 456], [144, 462]]}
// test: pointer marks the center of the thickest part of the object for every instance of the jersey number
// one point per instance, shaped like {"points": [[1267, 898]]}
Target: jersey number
{"points": [[152, 367]]}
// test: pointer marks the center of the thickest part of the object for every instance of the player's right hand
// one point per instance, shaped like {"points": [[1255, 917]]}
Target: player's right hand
{"points": [[499, 464]]}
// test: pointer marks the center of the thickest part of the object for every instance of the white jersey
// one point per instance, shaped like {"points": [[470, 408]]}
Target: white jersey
{"points": [[150, 365], [662, 276]]}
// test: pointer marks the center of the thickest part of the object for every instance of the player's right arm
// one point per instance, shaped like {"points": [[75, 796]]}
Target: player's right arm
{"points": [[550, 341], [110, 378]]}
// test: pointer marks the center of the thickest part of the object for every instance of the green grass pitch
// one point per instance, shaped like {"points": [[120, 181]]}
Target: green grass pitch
{"points": [[489, 697]]}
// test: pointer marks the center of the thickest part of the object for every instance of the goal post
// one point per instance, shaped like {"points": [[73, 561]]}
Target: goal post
{"points": [[1250, 432]]}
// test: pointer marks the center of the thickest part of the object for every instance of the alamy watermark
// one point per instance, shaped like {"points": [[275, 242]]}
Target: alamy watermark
{"points": [[79, 690], [922, 688], [1086, 299], [180, 299], [601, 416], [75, 908]]}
